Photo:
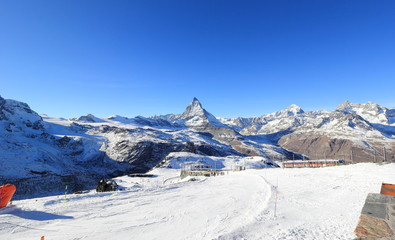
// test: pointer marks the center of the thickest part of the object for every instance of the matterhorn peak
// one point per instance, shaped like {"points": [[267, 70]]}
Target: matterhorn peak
{"points": [[196, 116], [195, 100], [194, 109]]}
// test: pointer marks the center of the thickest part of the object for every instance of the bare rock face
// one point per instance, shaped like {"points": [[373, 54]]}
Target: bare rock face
{"points": [[377, 220], [340, 135], [316, 146], [319, 146], [370, 227], [19, 115]]}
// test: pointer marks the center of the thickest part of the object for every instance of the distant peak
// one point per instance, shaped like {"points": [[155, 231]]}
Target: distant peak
{"points": [[89, 118], [293, 109], [345, 105], [372, 104]]}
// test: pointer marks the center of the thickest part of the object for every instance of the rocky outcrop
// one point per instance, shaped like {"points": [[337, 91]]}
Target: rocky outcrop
{"points": [[18, 116], [145, 148], [326, 147], [377, 220]]}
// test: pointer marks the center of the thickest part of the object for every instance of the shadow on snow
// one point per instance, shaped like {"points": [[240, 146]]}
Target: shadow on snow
{"points": [[35, 215]]}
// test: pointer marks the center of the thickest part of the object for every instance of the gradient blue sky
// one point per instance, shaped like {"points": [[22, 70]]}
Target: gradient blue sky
{"points": [[239, 58]]}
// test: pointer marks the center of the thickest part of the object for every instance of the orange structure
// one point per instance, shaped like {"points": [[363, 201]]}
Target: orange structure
{"points": [[388, 189], [6, 193], [311, 163]]}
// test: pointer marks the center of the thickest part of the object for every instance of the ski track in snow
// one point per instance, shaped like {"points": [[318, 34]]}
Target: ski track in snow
{"points": [[322, 203]]}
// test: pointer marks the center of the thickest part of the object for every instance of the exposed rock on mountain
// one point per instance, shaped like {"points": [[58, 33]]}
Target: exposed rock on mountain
{"points": [[338, 135], [196, 116], [17, 116]]}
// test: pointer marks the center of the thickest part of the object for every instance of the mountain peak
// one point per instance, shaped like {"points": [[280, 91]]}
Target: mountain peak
{"points": [[345, 105], [197, 116], [369, 106], [89, 118], [295, 109], [194, 109], [195, 100], [291, 110], [19, 114]]}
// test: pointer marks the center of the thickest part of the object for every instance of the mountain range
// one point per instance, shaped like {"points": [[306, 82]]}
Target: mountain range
{"points": [[42, 154]]}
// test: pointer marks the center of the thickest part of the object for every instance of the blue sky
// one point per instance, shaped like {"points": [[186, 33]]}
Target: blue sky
{"points": [[239, 58]]}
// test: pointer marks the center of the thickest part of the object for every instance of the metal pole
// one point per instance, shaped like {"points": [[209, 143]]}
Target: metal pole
{"points": [[374, 155], [352, 156], [275, 201]]}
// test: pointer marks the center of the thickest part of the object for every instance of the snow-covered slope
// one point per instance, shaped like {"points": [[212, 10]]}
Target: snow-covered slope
{"points": [[267, 204]]}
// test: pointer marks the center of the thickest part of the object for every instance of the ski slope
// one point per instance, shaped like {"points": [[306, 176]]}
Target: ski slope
{"points": [[322, 203]]}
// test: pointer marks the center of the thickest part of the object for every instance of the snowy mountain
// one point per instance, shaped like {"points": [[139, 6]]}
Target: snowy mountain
{"points": [[324, 204], [34, 151], [354, 132], [17, 116], [197, 117], [89, 118], [38, 149], [372, 112], [276, 122]]}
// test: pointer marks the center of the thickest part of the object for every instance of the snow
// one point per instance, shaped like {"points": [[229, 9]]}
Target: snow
{"points": [[178, 160], [322, 203]]}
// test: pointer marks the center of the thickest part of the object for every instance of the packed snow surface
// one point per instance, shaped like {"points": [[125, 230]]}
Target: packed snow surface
{"points": [[271, 203]]}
